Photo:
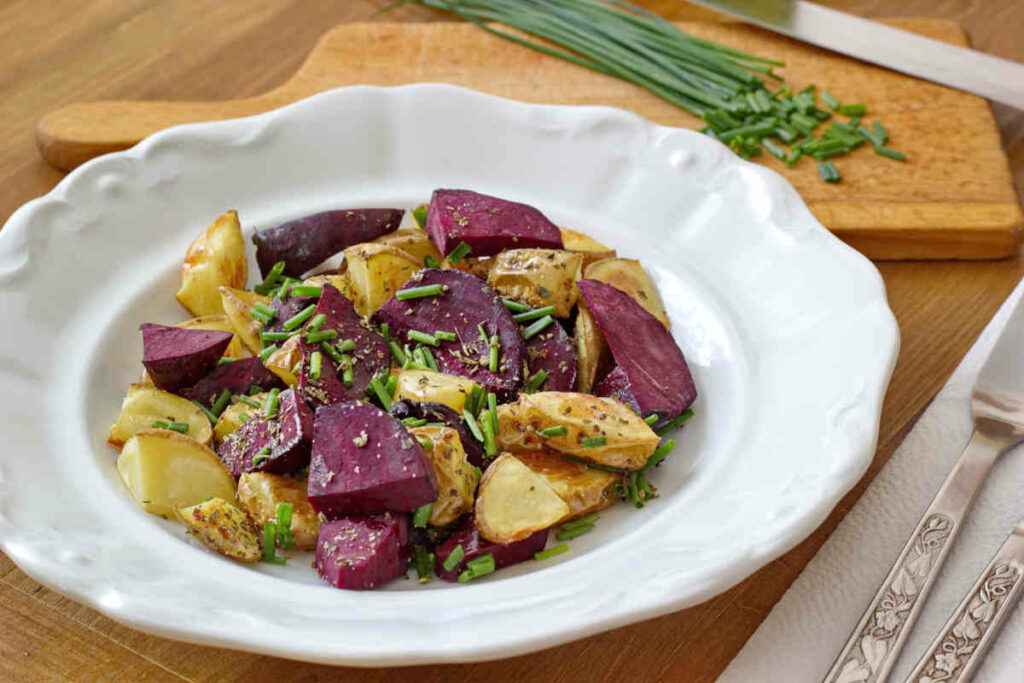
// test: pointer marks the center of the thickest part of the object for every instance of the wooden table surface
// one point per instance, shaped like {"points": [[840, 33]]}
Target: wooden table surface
{"points": [[62, 51]]}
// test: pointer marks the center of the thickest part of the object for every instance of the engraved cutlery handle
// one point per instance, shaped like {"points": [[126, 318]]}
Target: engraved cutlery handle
{"points": [[875, 644], [957, 651]]}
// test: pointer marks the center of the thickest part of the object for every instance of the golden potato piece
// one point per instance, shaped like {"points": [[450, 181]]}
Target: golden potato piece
{"points": [[539, 277], [629, 276], [376, 272], [600, 430], [237, 305], [514, 502], [223, 528], [220, 323], [427, 386], [592, 351], [456, 478], [283, 361], [588, 247], [584, 489], [481, 267], [215, 259], [145, 404], [413, 242], [236, 415], [166, 471], [259, 493], [339, 282]]}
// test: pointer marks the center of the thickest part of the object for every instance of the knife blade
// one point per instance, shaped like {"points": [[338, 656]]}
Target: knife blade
{"points": [[958, 67]]}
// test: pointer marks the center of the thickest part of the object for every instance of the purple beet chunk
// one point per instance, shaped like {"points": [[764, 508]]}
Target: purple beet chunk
{"points": [[438, 412], [654, 367], [371, 355], [466, 304], [362, 552], [554, 352], [307, 242], [616, 385], [487, 224], [176, 357], [289, 436], [237, 377], [286, 309], [474, 545], [365, 462]]}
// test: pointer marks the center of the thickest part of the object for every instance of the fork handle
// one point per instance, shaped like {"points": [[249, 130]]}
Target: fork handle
{"points": [[874, 646], [957, 651]]}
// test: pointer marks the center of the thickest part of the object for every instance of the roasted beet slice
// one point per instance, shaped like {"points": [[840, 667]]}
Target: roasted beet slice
{"points": [[651, 363], [365, 462], [616, 385], [237, 377], [437, 412], [466, 304], [487, 224], [370, 355], [554, 352], [362, 552], [176, 357], [306, 242], [474, 545], [288, 437]]}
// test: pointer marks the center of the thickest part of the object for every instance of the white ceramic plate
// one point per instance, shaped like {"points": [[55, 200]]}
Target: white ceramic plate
{"points": [[787, 331]]}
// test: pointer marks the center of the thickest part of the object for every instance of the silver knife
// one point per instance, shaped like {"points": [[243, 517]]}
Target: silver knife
{"points": [[997, 406], [956, 653], [958, 67]]}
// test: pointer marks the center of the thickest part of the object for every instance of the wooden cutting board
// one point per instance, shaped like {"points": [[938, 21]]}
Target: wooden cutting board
{"points": [[954, 198]]}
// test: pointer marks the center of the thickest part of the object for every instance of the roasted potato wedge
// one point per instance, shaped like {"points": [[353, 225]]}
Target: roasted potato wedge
{"points": [[588, 247], [628, 275], [456, 478], [427, 386], [166, 471], [237, 305], [539, 277], [514, 502], [413, 242], [283, 361], [376, 272], [234, 416], [339, 282], [584, 489], [591, 350], [260, 492], [600, 430], [223, 528], [215, 259], [481, 267], [144, 404], [220, 323]]}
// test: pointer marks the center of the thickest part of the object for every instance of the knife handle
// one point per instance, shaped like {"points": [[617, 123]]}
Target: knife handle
{"points": [[874, 646], [956, 653]]}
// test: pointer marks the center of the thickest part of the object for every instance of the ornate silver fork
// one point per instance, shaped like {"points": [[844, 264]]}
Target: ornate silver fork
{"points": [[997, 405]]}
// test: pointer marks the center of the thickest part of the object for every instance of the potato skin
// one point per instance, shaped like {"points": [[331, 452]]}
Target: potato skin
{"points": [[539, 277], [592, 354], [629, 441], [144, 404], [236, 304], [260, 492], [584, 489], [223, 528], [629, 276], [215, 259], [456, 478], [515, 502]]}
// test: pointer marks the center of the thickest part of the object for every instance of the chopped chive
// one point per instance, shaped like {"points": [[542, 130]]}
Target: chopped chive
{"points": [[651, 419], [297, 320], [853, 109], [793, 157], [549, 432], [490, 445], [396, 352], [385, 330], [428, 358], [422, 338], [431, 262], [477, 567], [420, 292], [225, 361], [515, 306], [425, 443], [265, 314], [380, 392], [454, 558], [445, 335], [346, 346], [414, 421], [564, 534], [475, 400], [536, 381], [269, 541], [474, 428], [870, 136], [272, 403], [659, 454], [271, 280], [284, 524], [316, 360], [247, 401], [494, 354], [533, 314], [585, 520], [461, 251], [306, 291], [347, 375], [420, 214], [880, 132], [422, 516], [492, 408], [829, 99], [536, 328], [268, 351], [594, 441], [337, 356], [321, 336], [206, 411], [675, 423], [890, 153], [424, 563], [261, 457], [828, 172], [275, 336], [221, 403], [254, 389], [773, 149], [419, 358], [316, 323], [180, 427], [390, 385], [551, 552]]}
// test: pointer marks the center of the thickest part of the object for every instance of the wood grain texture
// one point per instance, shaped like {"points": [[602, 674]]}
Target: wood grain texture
{"points": [[60, 52], [954, 200]]}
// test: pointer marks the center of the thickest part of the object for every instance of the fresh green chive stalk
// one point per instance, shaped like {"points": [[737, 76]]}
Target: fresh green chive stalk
{"points": [[553, 551], [430, 262], [537, 327], [461, 251], [477, 567], [221, 403], [420, 292], [297, 320], [533, 314], [346, 346], [316, 323], [551, 432], [272, 279], [515, 306], [206, 411], [474, 427], [494, 354], [454, 558], [422, 516], [248, 401], [321, 336], [381, 392], [422, 338], [675, 423], [651, 419], [594, 441], [420, 214], [445, 335], [272, 403], [428, 358], [271, 337], [284, 525], [306, 291], [268, 351], [315, 365], [535, 381], [828, 172], [397, 353], [413, 422], [180, 427]]}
